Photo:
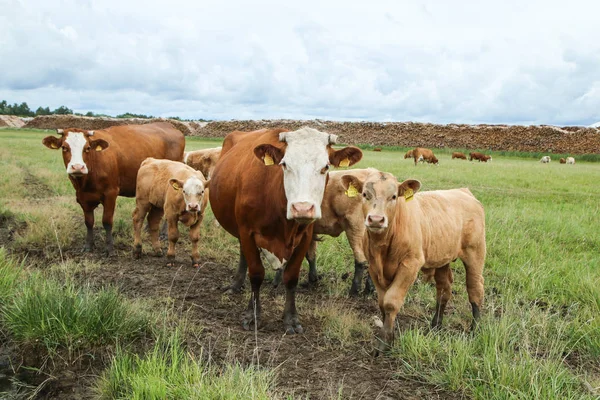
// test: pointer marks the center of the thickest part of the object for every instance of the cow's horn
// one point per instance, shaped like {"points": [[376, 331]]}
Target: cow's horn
{"points": [[90, 133], [60, 131], [332, 138], [282, 136]]}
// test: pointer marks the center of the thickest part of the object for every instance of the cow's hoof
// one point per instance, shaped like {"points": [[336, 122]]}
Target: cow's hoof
{"points": [[248, 319], [110, 253], [232, 289], [294, 329], [158, 253], [196, 264], [171, 264], [87, 249], [353, 292]]}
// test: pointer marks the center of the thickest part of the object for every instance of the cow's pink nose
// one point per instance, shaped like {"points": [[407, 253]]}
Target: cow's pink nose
{"points": [[193, 206], [78, 169], [303, 209], [376, 219]]}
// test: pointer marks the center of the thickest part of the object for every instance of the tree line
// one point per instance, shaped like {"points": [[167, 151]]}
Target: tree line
{"points": [[23, 110]]}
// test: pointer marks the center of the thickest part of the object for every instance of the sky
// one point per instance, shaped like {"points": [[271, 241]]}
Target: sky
{"points": [[463, 61]]}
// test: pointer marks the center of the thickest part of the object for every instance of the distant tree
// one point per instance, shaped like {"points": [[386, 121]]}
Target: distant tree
{"points": [[3, 107], [132, 115], [43, 111], [62, 110], [89, 114]]}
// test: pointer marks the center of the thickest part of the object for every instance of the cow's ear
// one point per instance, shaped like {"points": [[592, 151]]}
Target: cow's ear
{"points": [[98, 144], [206, 184], [345, 157], [352, 185], [52, 142], [408, 188], [269, 154], [176, 183]]}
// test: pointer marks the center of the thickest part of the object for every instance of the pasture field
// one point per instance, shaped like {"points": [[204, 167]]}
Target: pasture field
{"points": [[87, 325]]}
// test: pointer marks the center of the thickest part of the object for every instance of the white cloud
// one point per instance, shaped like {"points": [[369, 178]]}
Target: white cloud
{"points": [[461, 61]]}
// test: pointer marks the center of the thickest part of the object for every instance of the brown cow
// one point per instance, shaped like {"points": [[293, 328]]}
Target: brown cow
{"points": [[104, 164], [422, 154], [176, 191], [562, 161], [408, 154], [377, 149], [266, 190], [203, 160], [341, 212], [459, 155], [479, 156], [408, 231]]}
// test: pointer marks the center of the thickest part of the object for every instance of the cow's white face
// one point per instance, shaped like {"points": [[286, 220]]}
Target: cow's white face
{"points": [[305, 162], [76, 147], [192, 190]]}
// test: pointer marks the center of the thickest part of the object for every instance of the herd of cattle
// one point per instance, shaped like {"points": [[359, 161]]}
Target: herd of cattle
{"points": [[273, 191]]}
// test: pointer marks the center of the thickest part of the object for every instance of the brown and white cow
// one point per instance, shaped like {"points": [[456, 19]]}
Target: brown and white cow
{"points": [[266, 190], [422, 154], [459, 155], [570, 160], [103, 164], [407, 231], [176, 191], [562, 161], [203, 160], [341, 212], [545, 160]]}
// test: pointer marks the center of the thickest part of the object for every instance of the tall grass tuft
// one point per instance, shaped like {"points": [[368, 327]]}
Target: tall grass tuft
{"points": [[170, 372]]}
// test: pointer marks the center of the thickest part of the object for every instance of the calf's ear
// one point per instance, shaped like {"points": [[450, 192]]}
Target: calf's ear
{"points": [[52, 142], [408, 188], [345, 157], [352, 185], [98, 144], [176, 184], [269, 154]]}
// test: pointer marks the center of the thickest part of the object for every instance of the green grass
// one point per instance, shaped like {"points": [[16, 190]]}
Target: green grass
{"points": [[540, 330], [168, 371], [38, 311]]}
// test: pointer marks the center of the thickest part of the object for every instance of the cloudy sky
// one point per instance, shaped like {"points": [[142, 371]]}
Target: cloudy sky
{"points": [[471, 61]]}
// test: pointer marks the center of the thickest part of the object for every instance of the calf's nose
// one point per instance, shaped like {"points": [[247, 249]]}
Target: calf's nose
{"points": [[376, 219], [193, 206], [303, 209]]}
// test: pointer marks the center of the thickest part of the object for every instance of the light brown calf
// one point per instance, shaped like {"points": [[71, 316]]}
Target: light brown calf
{"points": [[459, 155], [562, 161], [408, 154], [176, 191], [407, 231], [203, 160], [479, 156], [423, 154]]}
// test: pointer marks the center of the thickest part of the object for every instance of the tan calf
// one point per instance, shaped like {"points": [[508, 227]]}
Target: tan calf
{"points": [[407, 231], [459, 155], [408, 154], [203, 160], [176, 191]]}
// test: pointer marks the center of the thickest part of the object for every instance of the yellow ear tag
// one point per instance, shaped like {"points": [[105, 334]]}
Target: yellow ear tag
{"points": [[408, 194], [98, 148], [345, 162], [352, 191], [54, 146], [268, 160], [175, 185]]}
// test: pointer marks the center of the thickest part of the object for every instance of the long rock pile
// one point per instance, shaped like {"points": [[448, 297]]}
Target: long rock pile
{"points": [[534, 138], [11, 121]]}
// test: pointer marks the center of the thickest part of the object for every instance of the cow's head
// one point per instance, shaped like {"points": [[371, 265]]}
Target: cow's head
{"points": [[192, 190], [76, 145], [382, 196], [305, 160]]}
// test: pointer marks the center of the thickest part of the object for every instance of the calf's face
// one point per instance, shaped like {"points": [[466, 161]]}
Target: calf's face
{"points": [[382, 195], [192, 190], [76, 147], [305, 163]]}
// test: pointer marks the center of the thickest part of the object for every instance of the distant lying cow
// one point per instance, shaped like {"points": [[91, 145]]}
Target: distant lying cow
{"points": [[570, 160], [203, 160], [341, 211], [459, 155], [562, 161], [176, 191], [545, 160], [479, 156], [104, 164], [423, 154], [407, 231]]}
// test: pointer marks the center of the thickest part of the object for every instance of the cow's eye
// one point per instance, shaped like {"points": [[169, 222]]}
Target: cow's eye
{"points": [[394, 197], [65, 148], [325, 169], [365, 195], [87, 149]]}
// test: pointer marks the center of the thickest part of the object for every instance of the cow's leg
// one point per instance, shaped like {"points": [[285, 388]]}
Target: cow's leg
{"points": [[154, 217], [109, 204], [291, 275], [173, 238], [240, 275], [311, 258], [256, 273], [393, 300], [164, 231], [474, 261], [443, 285], [88, 215], [355, 239], [195, 238], [139, 213]]}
